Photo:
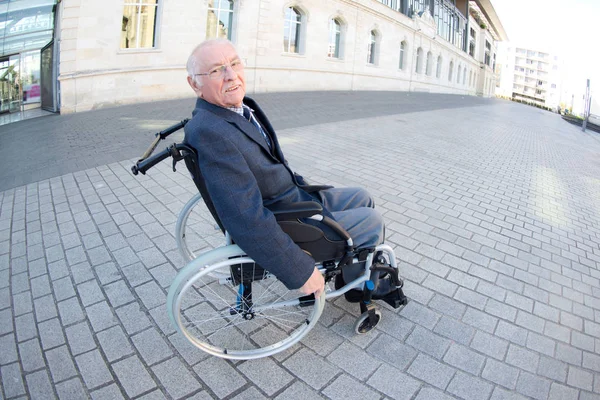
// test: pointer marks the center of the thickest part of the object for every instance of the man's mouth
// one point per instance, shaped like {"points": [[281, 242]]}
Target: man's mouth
{"points": [[232, 89]]}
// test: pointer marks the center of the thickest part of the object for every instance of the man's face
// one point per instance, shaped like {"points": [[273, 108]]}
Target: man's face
{"points": [[229, 89]]}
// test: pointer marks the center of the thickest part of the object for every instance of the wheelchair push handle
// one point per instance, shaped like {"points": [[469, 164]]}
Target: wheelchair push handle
{"points": [[144, 165], [161, 136]]}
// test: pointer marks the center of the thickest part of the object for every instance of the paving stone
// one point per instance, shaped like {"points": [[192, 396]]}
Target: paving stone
{"points": [[8, 349], [533, 386], [6, 321], [175, 378], [60, 363], [39, 385], [580, 378], [391, 351], [161, 318], [133, 318], [71, 389], [299, 391], [267, 375], [568, 354], [90, 293], [136, 274], [471, 298], [511, 332], [110, 392], [45, 308], [480, 320], [429, 370], [561, 392], [101, 316], [63, 288], [454, 330], [345, 387], [30, 354], [151, 346], [151, 294], [429, 393], [447, 306], [553, 369], [118, 293], [420, 314], [428, 342], [222, 379], [469, 387], [541, 344], [351, 359], [70, 311], [390, 323], [114, 343], [319, 339], [22, 303], [80, 338], [40, 286], [489, 345], [12, 380], [522, 358], [133, 376], [461, 357]]}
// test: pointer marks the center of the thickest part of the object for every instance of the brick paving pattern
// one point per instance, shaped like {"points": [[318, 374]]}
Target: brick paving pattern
{"points": [[493, 210]]}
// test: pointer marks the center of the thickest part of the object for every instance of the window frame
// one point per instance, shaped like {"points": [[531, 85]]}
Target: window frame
{"points": [[438, 71], [373, 47], [338, 52], [419, 58], [403, 53], [156, 26], [232, 13], [300, 22]]}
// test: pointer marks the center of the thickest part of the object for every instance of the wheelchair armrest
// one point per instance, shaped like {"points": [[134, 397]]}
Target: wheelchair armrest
{"points": [[292, 211], [314, 188]]}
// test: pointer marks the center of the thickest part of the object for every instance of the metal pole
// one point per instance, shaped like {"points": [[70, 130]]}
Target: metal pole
{"points": [[586, 106]]}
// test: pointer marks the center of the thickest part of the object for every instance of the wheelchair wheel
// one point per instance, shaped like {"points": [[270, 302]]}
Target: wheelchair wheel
{"points": [[363, 325], [226, 305], [196, 230]]}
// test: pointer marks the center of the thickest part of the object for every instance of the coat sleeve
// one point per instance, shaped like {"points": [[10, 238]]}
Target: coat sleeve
{"points": [[238, 203]]}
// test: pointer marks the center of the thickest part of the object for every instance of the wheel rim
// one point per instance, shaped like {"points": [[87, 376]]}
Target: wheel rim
{"points": [[208, 312], [196, 230]]}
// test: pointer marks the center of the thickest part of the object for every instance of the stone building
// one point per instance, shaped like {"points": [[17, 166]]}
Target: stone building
{"points": [[126, 51]]}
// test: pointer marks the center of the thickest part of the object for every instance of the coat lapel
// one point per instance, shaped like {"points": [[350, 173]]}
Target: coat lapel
{"points": [[240, 122]]}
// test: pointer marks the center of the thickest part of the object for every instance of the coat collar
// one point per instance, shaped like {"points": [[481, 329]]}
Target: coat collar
{"points": [[244, 125]]}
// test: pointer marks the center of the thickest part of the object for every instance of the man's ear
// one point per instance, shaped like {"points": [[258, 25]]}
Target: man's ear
{"points": [[194, 85]]}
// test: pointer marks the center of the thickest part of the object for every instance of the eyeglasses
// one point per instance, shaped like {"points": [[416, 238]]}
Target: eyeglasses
{"points": [[219, 72]]}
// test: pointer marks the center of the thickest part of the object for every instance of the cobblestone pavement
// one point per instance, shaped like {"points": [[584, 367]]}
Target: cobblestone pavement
{"points": [[55, 145], [494, 214]]}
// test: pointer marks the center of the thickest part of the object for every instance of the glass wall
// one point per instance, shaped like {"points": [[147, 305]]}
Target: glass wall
{"points": [[25, 27]]}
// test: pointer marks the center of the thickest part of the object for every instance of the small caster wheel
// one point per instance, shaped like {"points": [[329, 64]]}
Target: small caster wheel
{"points": [[363, 324]]}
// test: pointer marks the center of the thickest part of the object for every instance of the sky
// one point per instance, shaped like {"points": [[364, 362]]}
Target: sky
{"points": [[569, 29]]}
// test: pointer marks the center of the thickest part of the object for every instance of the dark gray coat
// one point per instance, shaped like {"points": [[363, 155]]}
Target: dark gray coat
{"points": [[243, 176]]}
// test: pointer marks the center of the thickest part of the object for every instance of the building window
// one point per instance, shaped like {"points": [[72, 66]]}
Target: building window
{"points": [[450, 68], [291, 30], [402, 54], [472, 41], [335, 37], [220, 19], [419, 65], [429, 65], [553, 86], [470, 78], [464, 78], [372, 48], [138, 29], [438, 71], [458, 74], [488, 50]]}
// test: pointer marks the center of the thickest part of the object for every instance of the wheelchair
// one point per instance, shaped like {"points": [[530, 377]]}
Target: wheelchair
{"points": [[230, 307]]}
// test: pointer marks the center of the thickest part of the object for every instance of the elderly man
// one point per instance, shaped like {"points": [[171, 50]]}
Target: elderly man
{"points": [[245, 171]]}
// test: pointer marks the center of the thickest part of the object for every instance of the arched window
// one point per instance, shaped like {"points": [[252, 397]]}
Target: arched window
{"points": [[291, 30], [470, 78], [458, 74], [372, 48], [402, 54], [438, 71], [450, 68], [419, 65], [335, 39], [428, 65], [464, 81], [219, 22]]}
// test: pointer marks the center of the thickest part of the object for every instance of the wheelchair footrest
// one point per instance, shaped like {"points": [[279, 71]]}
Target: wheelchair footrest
{"points": [[396, 298]]}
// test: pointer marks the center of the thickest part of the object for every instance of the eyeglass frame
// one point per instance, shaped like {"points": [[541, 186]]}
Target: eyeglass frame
{"points": [[223, 69]]}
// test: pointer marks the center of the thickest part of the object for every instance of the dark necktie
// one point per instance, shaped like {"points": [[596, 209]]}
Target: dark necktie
{"points": [[249, 115]]}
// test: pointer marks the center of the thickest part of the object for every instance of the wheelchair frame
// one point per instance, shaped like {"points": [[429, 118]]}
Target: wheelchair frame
{"points": [[208, 273]]}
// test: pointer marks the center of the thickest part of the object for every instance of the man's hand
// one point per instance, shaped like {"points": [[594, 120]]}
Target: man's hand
{"points": [[315, 284]]}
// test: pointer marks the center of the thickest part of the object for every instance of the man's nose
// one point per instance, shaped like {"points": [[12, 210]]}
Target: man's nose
{"points": [[230, 73]]}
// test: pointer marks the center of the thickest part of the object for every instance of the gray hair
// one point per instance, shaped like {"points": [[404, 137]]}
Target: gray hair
{"points": [[193, 58]]}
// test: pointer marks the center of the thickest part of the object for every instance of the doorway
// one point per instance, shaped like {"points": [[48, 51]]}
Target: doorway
{"points": [[11, 91]]}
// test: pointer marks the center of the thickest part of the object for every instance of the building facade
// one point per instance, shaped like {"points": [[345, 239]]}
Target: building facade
{"points": [[530, 76], [126, 51]]}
